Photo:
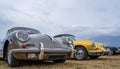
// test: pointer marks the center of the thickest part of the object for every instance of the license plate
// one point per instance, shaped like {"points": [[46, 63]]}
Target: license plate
{"points": [[31, 55]]}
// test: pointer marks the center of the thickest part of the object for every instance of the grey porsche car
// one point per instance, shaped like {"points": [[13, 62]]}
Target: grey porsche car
{"points": [[23, 43]]}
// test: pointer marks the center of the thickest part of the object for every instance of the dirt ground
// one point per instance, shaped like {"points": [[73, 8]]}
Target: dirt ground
{"points": [[103, 62]]}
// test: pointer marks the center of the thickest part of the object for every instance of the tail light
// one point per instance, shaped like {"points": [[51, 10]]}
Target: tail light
{"points": [[24, 45]]}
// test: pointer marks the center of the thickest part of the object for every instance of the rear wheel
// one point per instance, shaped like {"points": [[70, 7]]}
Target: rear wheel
{"points": [[81, 53], [59, 61], [93, 57], [12, 62]]}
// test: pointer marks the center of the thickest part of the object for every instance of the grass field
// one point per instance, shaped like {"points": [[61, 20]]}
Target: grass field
{"points": [[104, 62]]}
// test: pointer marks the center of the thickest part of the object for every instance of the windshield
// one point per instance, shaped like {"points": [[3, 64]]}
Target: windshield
{"points": [[69, 36]]}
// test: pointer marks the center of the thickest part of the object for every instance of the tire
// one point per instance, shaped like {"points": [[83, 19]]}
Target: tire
{"points": [[81, 53], [12, 62], [93, 57], [59, 61]]}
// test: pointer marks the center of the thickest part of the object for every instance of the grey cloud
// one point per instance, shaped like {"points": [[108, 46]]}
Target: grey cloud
{"points": [[5, 24], [83, 18]]}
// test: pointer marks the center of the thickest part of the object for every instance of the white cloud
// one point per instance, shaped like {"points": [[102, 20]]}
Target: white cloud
{"points": [[83, 18]]}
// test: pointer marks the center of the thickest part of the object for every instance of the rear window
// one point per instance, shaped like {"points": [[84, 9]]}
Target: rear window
{"points": [[29, 30]]}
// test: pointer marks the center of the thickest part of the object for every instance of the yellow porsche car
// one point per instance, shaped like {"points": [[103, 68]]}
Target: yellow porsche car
{"points": [[88, 48], [84, 48]]}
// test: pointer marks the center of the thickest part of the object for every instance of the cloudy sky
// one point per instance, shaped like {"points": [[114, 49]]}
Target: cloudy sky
{"points": [[83, 18]]}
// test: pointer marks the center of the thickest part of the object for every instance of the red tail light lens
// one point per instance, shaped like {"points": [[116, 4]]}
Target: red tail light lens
{"points": [[24, 45]]}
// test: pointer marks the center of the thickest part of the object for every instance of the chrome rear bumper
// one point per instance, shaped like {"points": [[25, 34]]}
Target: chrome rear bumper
{"points": [[22, 53], [41, 53]]}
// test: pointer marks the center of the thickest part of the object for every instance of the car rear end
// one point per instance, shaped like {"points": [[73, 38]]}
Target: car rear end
{"points": [[101, 47], [42, 47]]}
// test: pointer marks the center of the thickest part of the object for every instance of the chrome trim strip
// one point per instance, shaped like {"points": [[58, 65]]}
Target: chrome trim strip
{"points": [[41, 55]]}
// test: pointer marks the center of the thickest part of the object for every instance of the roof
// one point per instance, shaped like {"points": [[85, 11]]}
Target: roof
{"points": [[60, 35]]}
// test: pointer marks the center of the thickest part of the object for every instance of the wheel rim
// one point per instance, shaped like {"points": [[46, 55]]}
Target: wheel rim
{"points": [[79, 54]]}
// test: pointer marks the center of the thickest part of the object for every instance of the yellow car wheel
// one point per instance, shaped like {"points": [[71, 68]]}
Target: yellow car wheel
{"points": [[81, 53]]}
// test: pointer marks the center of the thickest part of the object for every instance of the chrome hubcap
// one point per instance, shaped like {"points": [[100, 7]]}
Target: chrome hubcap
{"points": [[80, 52]]}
